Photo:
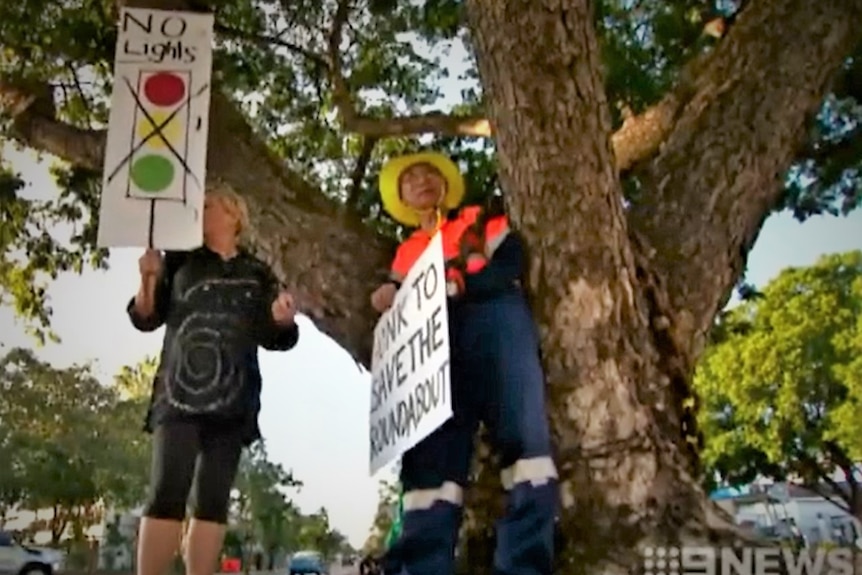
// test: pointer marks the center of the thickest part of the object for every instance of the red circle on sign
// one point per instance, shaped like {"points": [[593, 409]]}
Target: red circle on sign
{"points": [[164, 89]]}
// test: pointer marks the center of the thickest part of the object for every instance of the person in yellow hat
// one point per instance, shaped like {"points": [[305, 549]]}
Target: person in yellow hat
{"points": [[496, 378]]}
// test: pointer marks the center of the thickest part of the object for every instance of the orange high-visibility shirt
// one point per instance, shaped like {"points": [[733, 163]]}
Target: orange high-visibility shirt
{"points": [[453, 229]]}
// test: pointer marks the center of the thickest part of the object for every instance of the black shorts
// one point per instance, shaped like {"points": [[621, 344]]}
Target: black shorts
{"points": [[194, 458]]}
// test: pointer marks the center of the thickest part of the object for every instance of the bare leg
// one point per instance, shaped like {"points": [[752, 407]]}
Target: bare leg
{"points": [[203, 547], [175, 449], [158, 544], [214, 476]]}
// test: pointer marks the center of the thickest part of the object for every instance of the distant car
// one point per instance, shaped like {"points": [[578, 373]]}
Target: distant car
{"points": [[307, 563], [17, 559]]}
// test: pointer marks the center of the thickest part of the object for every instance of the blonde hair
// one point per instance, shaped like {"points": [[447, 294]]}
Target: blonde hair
{"points": [[233, 203]]}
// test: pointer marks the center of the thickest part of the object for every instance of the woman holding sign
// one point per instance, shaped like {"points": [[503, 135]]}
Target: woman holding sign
{"points": [[218, 304], [496, 372]]}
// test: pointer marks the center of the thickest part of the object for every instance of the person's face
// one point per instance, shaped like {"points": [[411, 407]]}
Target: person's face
{"points": [[422, 187], [219, 219]]}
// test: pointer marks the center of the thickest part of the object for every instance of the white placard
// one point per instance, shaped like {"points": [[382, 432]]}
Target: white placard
{"points": [[410, 385], [155, 157]]}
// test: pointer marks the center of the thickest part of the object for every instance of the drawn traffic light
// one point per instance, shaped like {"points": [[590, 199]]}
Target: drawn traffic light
{"points": [[154, 169], [158, 168]]}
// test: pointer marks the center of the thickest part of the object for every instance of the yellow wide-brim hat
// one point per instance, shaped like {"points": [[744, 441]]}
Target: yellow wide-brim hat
{"points": [[390, 176]]}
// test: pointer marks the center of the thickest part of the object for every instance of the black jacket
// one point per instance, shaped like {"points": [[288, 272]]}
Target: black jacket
{"points": [[216, 314]]}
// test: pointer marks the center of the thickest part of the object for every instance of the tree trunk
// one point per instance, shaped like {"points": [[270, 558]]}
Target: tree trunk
{"points": [[617, 321], [623, 478]]}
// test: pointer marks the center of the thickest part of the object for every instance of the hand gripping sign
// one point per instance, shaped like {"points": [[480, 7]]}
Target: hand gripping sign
{"points": [[410, 388]]}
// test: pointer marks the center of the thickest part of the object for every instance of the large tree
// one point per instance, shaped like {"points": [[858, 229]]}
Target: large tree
{"points": [[704, 121]]}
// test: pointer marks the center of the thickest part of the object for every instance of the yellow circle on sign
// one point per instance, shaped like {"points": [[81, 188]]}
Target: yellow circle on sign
{"points": [[158, 133]]}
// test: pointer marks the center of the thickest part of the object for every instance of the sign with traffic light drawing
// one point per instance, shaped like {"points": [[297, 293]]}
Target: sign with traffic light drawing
{"points": [[155, 156]]}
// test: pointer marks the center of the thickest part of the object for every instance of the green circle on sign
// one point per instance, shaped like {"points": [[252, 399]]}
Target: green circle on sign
{"points": [[152, 173]]}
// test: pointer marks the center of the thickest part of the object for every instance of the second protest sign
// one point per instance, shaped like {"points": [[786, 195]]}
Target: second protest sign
{"points": [[410, 388]]}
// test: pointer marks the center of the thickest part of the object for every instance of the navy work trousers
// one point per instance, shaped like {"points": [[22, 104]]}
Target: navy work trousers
{"points": [[497, 379]]}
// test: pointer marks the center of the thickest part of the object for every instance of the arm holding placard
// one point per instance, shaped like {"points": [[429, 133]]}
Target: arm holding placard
{"points": [[148, 309], [383, 297]]}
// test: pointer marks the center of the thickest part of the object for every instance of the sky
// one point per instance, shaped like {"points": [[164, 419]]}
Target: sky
{"points": [[315, 399]]}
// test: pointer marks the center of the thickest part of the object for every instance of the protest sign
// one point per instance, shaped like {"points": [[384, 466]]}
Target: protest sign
{"points": [[155, 156], [410, 389]]}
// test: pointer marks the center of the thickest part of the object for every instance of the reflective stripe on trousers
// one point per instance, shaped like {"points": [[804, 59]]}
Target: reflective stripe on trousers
{"points": [[419, 499], [536, 470]]}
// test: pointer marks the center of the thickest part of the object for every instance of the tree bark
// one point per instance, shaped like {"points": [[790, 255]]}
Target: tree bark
{"points": [[623, 479], [620, 297]]}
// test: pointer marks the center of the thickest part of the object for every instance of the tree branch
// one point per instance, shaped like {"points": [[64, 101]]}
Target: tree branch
{"points": [[848, 467], [359, 170], [309, 55], [720, 171], [820, 476], [378, 128], [430, 123], [30, 107], [637, 139], [340, 92], [640, 136]]}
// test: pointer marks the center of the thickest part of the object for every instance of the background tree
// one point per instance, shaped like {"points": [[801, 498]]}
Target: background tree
{"points": [[68, 443], [11, 475], [57, 418], [128, 475], [781, 393], [723, 113], [261, 503], [316, 533], [387, 500], [135, 382]]}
